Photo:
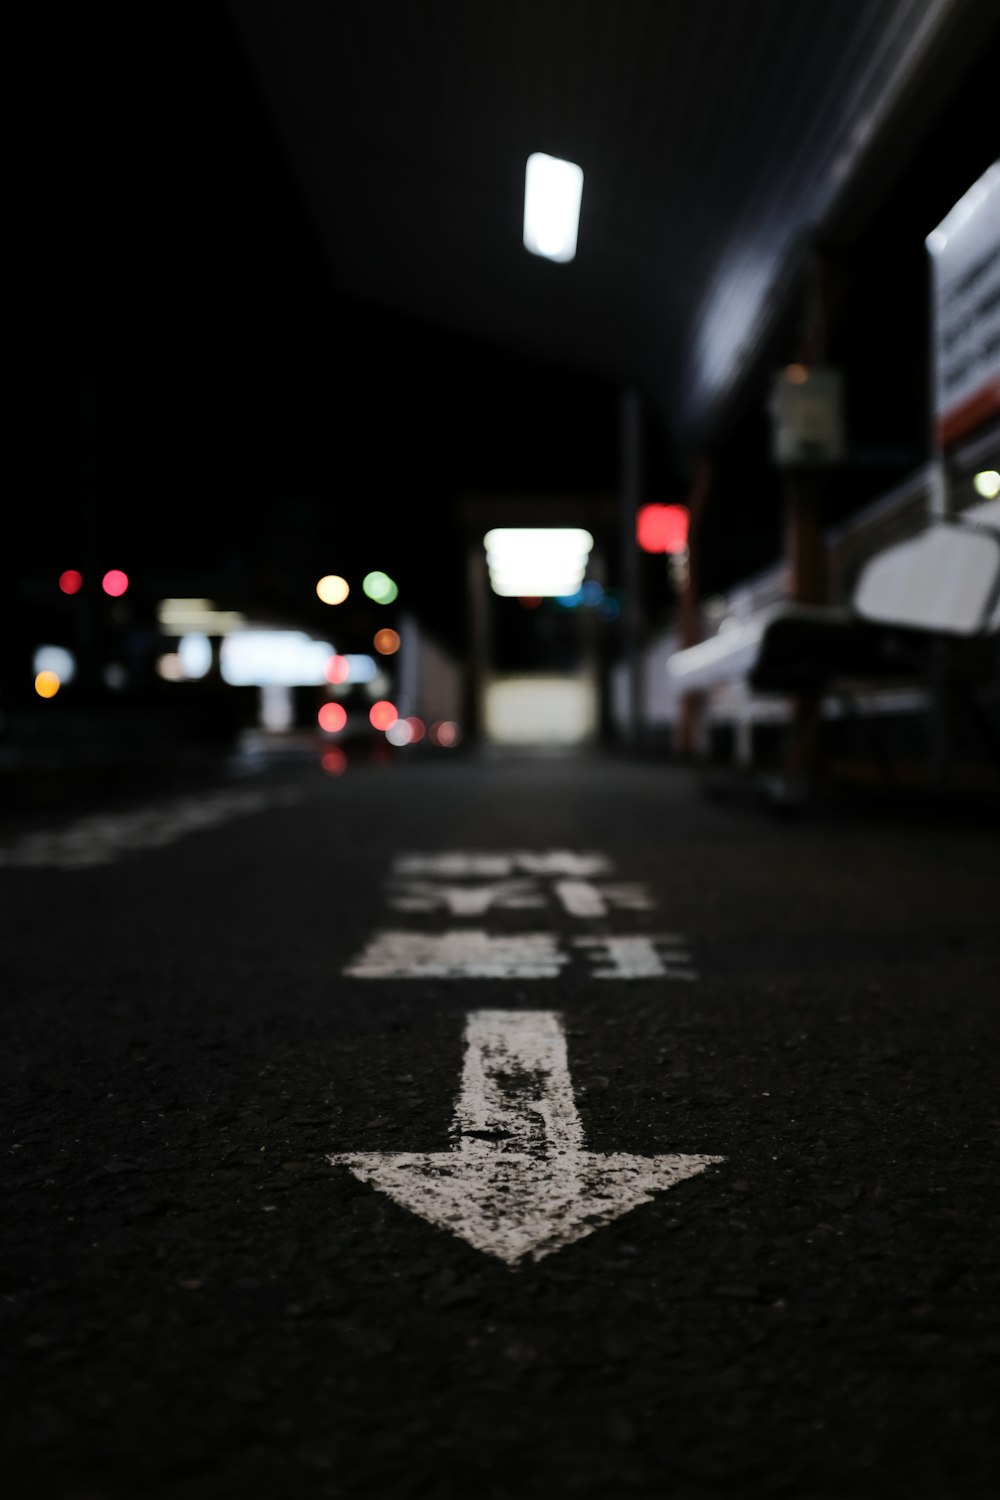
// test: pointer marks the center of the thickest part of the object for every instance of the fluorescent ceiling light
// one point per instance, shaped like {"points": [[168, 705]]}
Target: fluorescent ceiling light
{"points": [[537, 562], [552, 192]]}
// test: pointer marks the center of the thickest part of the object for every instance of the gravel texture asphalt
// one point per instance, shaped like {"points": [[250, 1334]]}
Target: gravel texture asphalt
{"points": [[199, 1306]]}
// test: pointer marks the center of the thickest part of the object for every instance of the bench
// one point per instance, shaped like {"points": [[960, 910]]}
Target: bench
{"points": [[921, 596]]}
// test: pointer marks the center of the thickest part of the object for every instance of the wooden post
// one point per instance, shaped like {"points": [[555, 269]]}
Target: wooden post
{"points": [[805, 490]]}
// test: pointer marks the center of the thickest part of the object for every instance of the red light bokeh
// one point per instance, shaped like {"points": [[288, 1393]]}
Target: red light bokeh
{"points": [[382, 714], [332, 717], [662, 528], [114, 582]]}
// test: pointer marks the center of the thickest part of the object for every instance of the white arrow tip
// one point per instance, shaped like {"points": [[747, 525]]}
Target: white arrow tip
{"points": [[511, 1204]]}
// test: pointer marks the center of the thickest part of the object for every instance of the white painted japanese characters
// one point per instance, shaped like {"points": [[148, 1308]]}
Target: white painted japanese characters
{"points": [[472, 953], [465, 884]]}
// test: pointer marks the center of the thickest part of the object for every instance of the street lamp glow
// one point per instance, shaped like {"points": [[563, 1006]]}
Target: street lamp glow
{"points": [[333, 589], [552, 192], [987, 483]]}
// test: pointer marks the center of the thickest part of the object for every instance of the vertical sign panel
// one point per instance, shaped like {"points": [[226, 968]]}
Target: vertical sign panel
{"points": [[965, 280]]}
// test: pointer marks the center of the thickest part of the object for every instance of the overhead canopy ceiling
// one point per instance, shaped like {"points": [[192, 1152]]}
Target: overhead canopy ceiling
{"points": [[716, 137]]}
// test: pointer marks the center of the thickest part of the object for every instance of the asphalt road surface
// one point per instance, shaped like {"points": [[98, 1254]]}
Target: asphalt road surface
{"points": [[527, 1128]]}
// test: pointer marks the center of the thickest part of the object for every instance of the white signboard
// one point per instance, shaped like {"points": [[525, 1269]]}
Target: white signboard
{"points": [[268, 658], [965, 276]]}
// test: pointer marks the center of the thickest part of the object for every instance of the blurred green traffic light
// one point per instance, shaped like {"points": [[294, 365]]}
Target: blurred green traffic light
{"points": [[380, 588]]}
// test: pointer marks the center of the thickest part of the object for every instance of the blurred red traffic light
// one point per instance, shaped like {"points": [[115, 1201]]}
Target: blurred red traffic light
{"points": [[662, 528]]}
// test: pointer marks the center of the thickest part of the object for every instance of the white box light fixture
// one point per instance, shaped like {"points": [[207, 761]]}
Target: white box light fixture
{"points": [[552, 192], [536, 562]]}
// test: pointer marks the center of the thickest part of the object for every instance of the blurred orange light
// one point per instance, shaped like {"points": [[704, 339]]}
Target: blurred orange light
{"points": [[382, 714], [333, 589], [796, 374], [47, 684], [386, 642], [662, 528], [115, 582], [337, 669], [417, 729], [71, 582], [332, 717], [334, 761]]}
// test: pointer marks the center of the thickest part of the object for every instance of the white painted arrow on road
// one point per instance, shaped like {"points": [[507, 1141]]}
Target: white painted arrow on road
{"points": [[517, 1180]]}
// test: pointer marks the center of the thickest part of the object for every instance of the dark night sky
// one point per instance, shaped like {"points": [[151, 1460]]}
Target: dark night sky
{"points": [[248, 413]]}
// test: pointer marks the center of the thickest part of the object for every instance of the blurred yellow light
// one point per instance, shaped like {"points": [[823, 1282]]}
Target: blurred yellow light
{"points": [[987, 483], [332, 589], [47, 684], [386, 642]]}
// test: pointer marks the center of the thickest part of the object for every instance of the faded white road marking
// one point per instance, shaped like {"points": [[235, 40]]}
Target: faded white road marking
{"points": [[639, 956], [463, 954], [465, 900], [585, 898], [462, 864], [101, 838], [517, 1180], [581, 898]]}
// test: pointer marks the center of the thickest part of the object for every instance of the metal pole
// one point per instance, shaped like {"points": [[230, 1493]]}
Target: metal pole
{"points": [[630, 485]]}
